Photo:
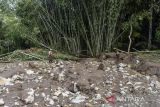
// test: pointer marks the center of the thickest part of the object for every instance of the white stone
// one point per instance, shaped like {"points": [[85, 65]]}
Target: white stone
{"points": [[129, 66], [129, 83], [7, 90], [29, 72], [20, 64], [75, 87], [61, 76], [108, 69], [58, 92], [138, 83], [122, 65], [123, 92], [36, 104], [16, 103], [153, 83], [30, 97], [137, 61], [149, 88], [147, 77], [98, 97], [65, 94], [4, 81], [121, 69], [78, 99], [49, 71], [1, 102], [55, 97], [157, 84], [52, 74], [137, 87], [43, 95], [51, 102], [40, 77], [36, 94], [121, 85], [92, 85]]}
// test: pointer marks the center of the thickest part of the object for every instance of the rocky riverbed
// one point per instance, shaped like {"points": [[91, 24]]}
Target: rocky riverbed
{"points": [[85, 83]]}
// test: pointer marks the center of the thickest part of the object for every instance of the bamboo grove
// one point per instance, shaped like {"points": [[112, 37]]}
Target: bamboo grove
{"points": [[88, 27], [81, 26]]}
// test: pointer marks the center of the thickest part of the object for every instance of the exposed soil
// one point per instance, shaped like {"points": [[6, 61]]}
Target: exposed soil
{"points": [[85, 83]]}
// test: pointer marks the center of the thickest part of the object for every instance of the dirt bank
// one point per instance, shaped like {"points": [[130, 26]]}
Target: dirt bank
{"points": [[86, 83]]}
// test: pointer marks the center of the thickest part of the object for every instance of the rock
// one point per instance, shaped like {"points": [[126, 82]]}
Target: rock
{"points": [[16, 104], [98, 96], [51, 102], [32, 65], [129, 83], [79, 99], [29, 72], [108, 69], [55, 97], [17, 77], [73, 87], [57, 93], [122, 65], [61, 76], [36, 104], [1, 102], [96, 88], [28, 96], [158, 85], [101, 66], [137, 61], [4, 81], [88, 105], [85, 88], [65, 94]]}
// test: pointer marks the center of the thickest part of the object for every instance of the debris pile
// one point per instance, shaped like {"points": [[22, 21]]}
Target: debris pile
{"points": [[87, 83]]}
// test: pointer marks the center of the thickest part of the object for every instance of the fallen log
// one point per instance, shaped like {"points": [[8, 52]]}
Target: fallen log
{"points": [[3, 55], [137, 51], [32, 56], [6, 61]]}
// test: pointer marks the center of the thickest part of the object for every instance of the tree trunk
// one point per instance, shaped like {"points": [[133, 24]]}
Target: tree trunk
{"points": [[130, 40], [150, 28]]}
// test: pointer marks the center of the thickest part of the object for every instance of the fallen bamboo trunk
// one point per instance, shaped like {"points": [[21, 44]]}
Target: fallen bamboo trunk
{"points": [[32, 56], [136, 51], [6, 61], [3, 55]]}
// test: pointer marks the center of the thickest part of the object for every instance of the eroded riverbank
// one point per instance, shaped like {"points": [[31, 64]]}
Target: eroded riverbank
{"points": [[85, 83]]}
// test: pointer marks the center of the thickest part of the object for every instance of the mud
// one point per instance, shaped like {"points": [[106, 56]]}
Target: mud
{"points": [[85, 83]]}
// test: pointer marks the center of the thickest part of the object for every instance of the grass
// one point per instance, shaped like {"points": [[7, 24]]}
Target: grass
{"points": [[35, 54]]}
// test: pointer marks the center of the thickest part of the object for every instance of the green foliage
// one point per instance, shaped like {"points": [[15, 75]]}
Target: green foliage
{"points": [[35, 54], [77, 26], [14, 33], [74, 26]]}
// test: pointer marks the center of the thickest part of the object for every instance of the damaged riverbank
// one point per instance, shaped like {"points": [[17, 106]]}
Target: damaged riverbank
{"points": [[85, 83]]}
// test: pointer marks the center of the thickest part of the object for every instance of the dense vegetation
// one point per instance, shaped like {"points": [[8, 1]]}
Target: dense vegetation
{"points": [[87, 27]]}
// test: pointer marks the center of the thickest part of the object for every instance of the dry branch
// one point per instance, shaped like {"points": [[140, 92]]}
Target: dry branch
{"points": [[130, 40]]}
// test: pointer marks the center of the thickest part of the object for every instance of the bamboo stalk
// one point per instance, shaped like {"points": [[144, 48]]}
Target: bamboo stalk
{"points": [[3, 55], [32, 56], [130, 40]]}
